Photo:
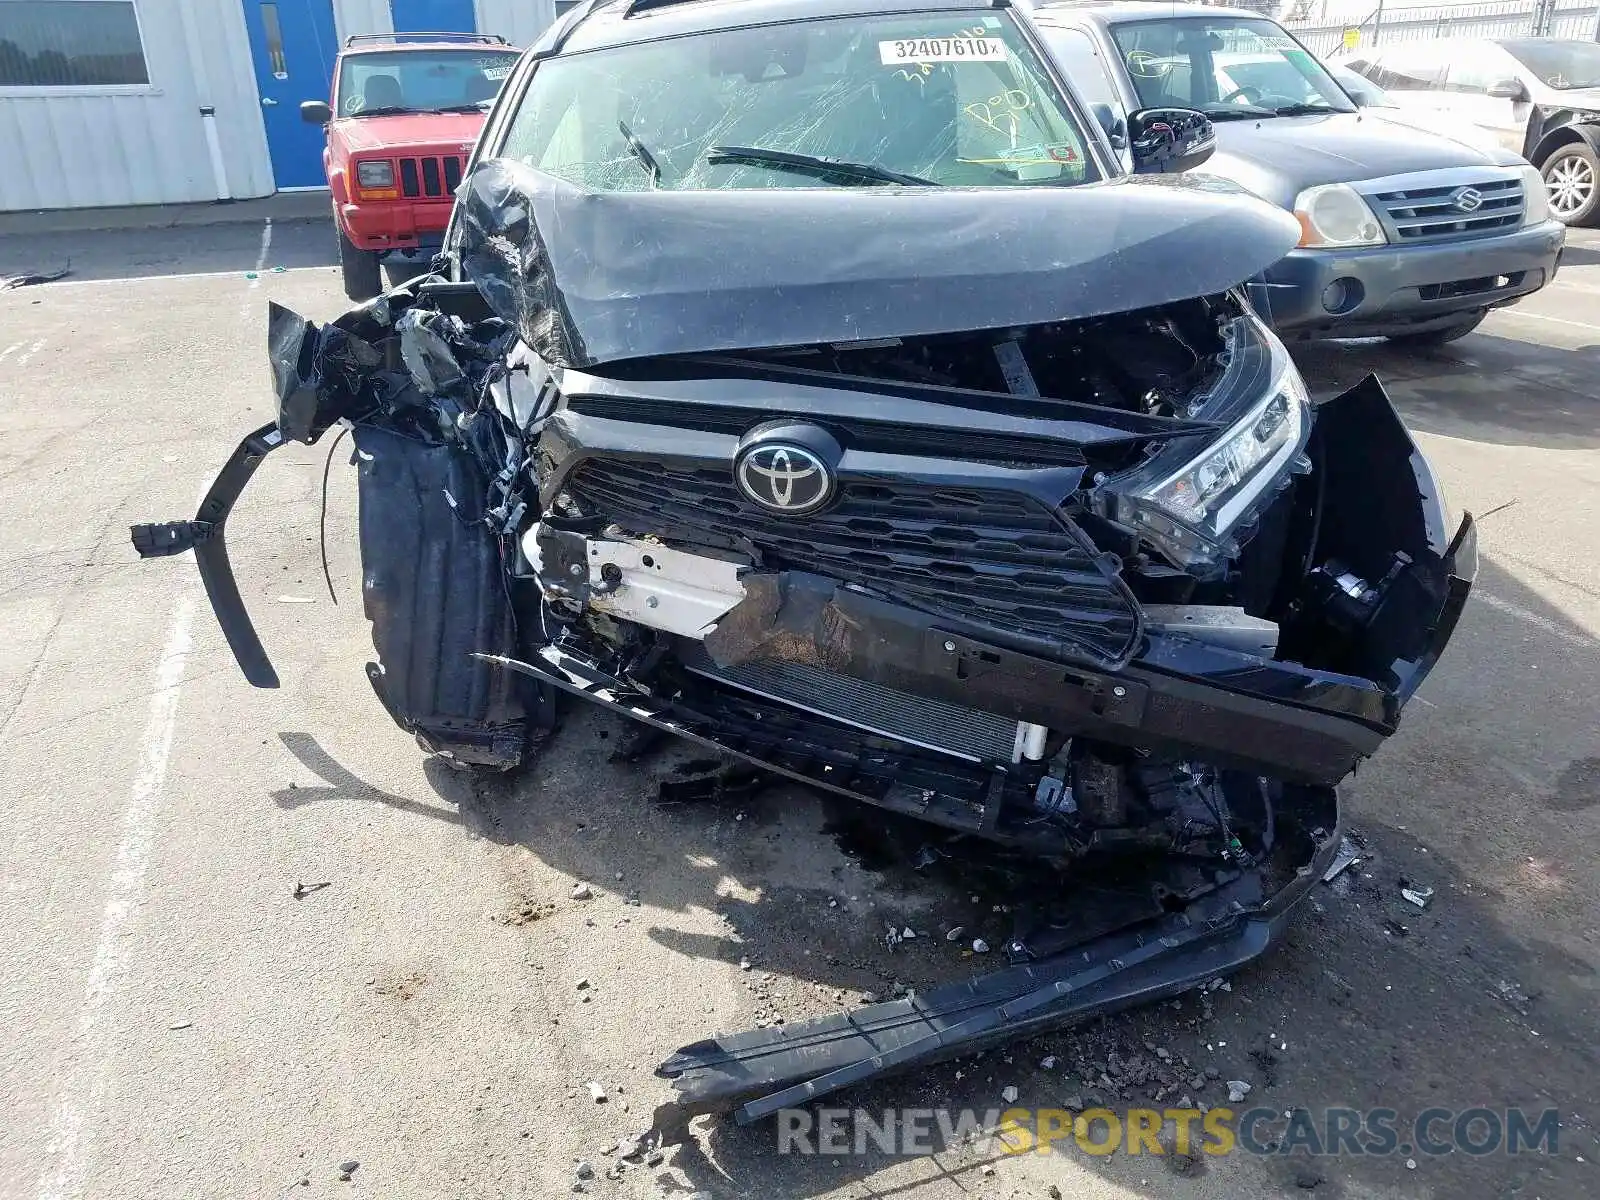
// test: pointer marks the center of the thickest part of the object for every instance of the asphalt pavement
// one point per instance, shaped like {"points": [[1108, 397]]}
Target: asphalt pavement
{"points": [[250, 936]]}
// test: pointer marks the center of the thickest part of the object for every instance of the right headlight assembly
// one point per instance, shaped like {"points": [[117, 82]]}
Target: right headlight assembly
{"points": [[1334, 215], [1194, 505]]}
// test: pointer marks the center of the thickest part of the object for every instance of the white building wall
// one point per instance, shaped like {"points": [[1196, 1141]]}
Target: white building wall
{"points": [[520, 22], [361, 16], [101, 147], [87, 147]]}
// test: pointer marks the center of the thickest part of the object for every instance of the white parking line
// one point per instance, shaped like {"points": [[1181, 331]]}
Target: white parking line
{"points": [[22, 359], [261, 261], [1522, 312], [1554, 629], [10, 350], [85, 1084]]}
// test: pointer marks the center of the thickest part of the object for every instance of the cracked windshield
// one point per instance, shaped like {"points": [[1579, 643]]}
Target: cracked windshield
{"points": [[908, 99], [1227, 68]]}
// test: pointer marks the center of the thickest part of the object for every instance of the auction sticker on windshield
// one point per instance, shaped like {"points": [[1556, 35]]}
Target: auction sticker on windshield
{"points": [[942, 49]]}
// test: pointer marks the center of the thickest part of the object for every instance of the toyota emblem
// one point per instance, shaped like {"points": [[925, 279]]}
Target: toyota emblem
{"points": [[1467, 199], [783, 477]]}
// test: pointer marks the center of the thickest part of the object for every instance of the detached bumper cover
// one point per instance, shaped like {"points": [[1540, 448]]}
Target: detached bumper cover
{"points": [[763, 1070]]}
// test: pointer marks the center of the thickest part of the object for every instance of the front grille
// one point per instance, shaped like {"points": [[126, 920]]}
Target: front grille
{"points": [[430, 176], [1471, 287], [996, 561], [855, 433], [1428, 214], [916, 720]]}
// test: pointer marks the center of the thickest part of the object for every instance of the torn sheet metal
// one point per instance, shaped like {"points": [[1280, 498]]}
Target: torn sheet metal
{"points": [[593, 277]]}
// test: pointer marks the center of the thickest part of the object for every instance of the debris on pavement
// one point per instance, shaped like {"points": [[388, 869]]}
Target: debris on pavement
{"points": [[1047, 1063], [347, 1168], [1347, 857], [582, 891], [597, 1091], [1009, 1094], [979, 946], [584, 1170], [33, 278], [176, 1025], [1419, 894], [954, 935], [1238, 1089], [302, 890]]}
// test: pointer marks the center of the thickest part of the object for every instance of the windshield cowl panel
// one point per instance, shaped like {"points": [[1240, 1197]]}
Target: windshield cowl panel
{"points": [[957, 99]]}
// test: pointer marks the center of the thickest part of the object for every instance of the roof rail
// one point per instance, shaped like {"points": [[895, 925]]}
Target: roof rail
{"points": [[488, 39], [639, 6]]}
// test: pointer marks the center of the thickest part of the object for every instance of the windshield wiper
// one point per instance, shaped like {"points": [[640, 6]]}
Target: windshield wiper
{"points": [[1237, 112], [474, 106], [815, 165], [641, 152], [1306, 110], [387, 110]]}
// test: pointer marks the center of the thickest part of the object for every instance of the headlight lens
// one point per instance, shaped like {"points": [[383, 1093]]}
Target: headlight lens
{"points": [[1535, 197], [1334, 214], [1194, 509], [375, 174]]}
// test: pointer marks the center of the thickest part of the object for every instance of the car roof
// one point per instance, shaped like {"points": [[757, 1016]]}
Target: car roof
{"points": [[612, 24], [1115, 12], [391, 47]]}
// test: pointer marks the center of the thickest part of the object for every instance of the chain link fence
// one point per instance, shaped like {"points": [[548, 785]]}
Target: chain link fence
{"points": [[1385, 25]]}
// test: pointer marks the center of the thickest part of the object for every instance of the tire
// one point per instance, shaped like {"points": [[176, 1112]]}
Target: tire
{"points": [[1572, 180], [1438, 337], [363, 277]]}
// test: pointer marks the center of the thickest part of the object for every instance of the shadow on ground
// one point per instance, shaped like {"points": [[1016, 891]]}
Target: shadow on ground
{"points": [[1484, 388], [1485, 1000]]}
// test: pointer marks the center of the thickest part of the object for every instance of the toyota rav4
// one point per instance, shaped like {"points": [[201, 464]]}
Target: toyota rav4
{"points": [[811, 383]]}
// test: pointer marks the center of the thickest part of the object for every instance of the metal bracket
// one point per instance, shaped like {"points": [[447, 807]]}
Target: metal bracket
{"points": [[166, 538]]}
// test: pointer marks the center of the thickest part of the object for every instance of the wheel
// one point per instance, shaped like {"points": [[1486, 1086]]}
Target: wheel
{"points": [[363, 278], [1572, 177], [1438, 337]]}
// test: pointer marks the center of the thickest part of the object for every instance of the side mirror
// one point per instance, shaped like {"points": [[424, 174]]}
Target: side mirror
{"points": [[1116, 129], [1508, 89], [1170, 139], [315, 112]]}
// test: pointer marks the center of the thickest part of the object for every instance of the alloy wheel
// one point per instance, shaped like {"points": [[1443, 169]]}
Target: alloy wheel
{"points": [[1571, 182]]}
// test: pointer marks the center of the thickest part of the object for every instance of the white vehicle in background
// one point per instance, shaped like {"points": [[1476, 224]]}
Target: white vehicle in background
{"points": [[1376, 103], [1537, 96]]}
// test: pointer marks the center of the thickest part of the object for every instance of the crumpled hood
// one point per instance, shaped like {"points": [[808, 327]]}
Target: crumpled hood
{"points": [[449, 133], [594, 277], [1278, 156]]}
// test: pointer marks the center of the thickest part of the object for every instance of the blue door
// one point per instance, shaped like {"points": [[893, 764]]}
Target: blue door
{"points": [[293, 45], [433, 16]]}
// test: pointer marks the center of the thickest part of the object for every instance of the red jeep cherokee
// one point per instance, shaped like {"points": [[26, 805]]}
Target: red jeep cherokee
{"points": [[406, 110]]}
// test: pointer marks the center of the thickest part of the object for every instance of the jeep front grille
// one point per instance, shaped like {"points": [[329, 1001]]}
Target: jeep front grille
{"points": [[1429, 214], [430, 176], [996, 561]]}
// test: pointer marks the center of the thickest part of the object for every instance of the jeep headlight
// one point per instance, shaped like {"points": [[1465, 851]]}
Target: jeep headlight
{"points": [[1197, 507], [1335, 214], [1535, 196], [375, 174]]}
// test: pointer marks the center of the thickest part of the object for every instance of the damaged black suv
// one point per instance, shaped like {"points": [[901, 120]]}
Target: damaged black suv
{"points": [[809, 381]]}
